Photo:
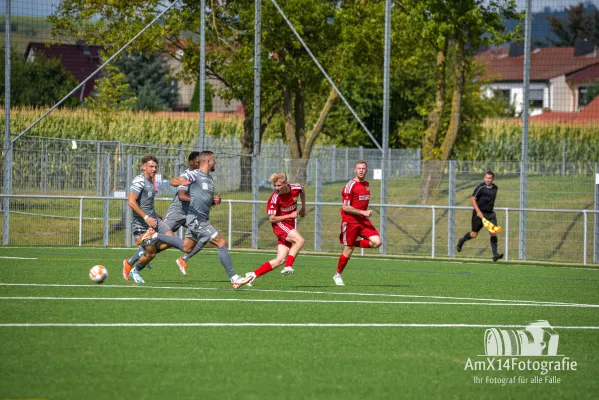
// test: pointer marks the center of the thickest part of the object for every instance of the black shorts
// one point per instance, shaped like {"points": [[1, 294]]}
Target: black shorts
{"points": [[477, 223]]}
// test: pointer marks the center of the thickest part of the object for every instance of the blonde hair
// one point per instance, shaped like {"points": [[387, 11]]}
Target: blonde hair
{"points": [[277, 176]]}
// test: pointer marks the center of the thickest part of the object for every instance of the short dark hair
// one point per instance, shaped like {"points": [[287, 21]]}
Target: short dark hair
{"points": [[490, 173], [147, 158], [204, 155], [193, 155]]}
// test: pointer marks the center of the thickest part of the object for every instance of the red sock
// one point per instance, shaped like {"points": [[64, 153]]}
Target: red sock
{"points": [[365, 243], [263, 269], [290, 260], [342, 263]]}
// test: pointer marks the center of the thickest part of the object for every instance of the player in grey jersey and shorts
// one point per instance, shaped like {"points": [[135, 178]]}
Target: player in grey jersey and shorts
{"points": [[199, 229], [141, 200]]}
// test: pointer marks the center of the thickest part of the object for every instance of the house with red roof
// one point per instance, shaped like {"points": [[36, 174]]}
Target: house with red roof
{"points": [[78, 59], [559, 76]]}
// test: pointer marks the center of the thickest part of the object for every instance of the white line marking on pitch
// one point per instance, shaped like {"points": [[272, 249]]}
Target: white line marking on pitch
{"points": [[299, 301], [293, 325], [295, 292], [18, 258]]}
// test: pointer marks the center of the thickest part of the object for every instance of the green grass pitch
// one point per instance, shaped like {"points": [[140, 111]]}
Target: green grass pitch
{"points": [[400, 328]]}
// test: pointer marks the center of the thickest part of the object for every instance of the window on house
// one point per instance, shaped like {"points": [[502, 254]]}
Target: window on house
{"points": [[535, 98], [582, 96]]}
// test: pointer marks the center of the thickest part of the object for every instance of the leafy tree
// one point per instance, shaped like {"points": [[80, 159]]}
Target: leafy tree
{"points": [[581, 24], [149, 76], [112, 94], [291, 83], [42, 82], [455, 31], [347, 39]]}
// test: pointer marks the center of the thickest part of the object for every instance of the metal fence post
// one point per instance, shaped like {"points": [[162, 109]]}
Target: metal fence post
{"points": [[317, 208], [81, 221], [334, 164], [98, 163], [347, 173], [507, 234], [434, 212], [105, 191], [563, 157], [44, 166], [8, 146], [596, 218], [230, 229], [584, 235], [523, 206], [451, 211], [128, 216], [257, 122]]}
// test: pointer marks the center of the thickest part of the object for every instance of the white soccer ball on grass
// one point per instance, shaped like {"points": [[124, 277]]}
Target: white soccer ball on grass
{"points": [[98, 273]]}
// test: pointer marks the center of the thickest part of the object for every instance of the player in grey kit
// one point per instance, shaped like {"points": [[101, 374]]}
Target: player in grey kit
{"points": [[176, 215], [199, 229], [141, 200]]}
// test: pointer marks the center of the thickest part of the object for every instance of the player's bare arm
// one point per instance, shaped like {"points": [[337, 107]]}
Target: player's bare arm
{"points": [[179, 181], [355, 211], [280, 218], [217, 200], [184, 195], [302, 212], [132, 202]]}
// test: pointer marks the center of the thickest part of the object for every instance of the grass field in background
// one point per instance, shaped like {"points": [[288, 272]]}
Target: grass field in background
{"points": [[399, 329], [551, 236]]}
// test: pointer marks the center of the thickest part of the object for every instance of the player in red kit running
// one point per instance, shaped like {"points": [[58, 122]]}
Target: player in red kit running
{"points": [[355, 219], [282, 213]]}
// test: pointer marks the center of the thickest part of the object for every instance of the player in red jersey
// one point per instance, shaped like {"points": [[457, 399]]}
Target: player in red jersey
{"points": [[355, 219], [282, 213]]}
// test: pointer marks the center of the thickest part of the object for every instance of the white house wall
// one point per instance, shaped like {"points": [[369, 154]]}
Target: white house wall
{"points": [[186, 90], [562, 97]]}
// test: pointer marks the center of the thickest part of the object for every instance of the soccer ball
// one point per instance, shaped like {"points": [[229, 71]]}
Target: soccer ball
{"points": [[98, 274]]}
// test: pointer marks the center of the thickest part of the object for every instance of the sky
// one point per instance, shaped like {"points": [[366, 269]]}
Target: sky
{"points": [[42, 8]]}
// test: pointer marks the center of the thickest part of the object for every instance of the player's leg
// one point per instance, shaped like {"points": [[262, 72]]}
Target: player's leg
{"points": [[165, 238], [282, 253], [476, 225], [297, 242], [149, 254], [348, 238], [208, 231], [371, 235], [128, 263], [198, 247], [493, 239]]}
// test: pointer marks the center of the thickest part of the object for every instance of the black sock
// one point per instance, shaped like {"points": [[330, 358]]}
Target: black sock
{"points": [[493, 240], [466, 237]]}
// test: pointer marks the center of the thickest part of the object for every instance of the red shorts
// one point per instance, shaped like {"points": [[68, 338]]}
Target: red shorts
{"points": [[351, 231], [281, 230]]}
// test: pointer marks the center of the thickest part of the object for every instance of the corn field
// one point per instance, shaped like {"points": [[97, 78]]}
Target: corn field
{"points": [[127, 126], [500, 140]]}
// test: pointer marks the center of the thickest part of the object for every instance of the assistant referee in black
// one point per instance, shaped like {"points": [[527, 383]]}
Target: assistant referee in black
{"points": [[483, 201]]}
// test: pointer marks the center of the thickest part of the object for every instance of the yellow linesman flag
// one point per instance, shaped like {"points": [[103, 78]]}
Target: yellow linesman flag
{"points": [[490, 227]]}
